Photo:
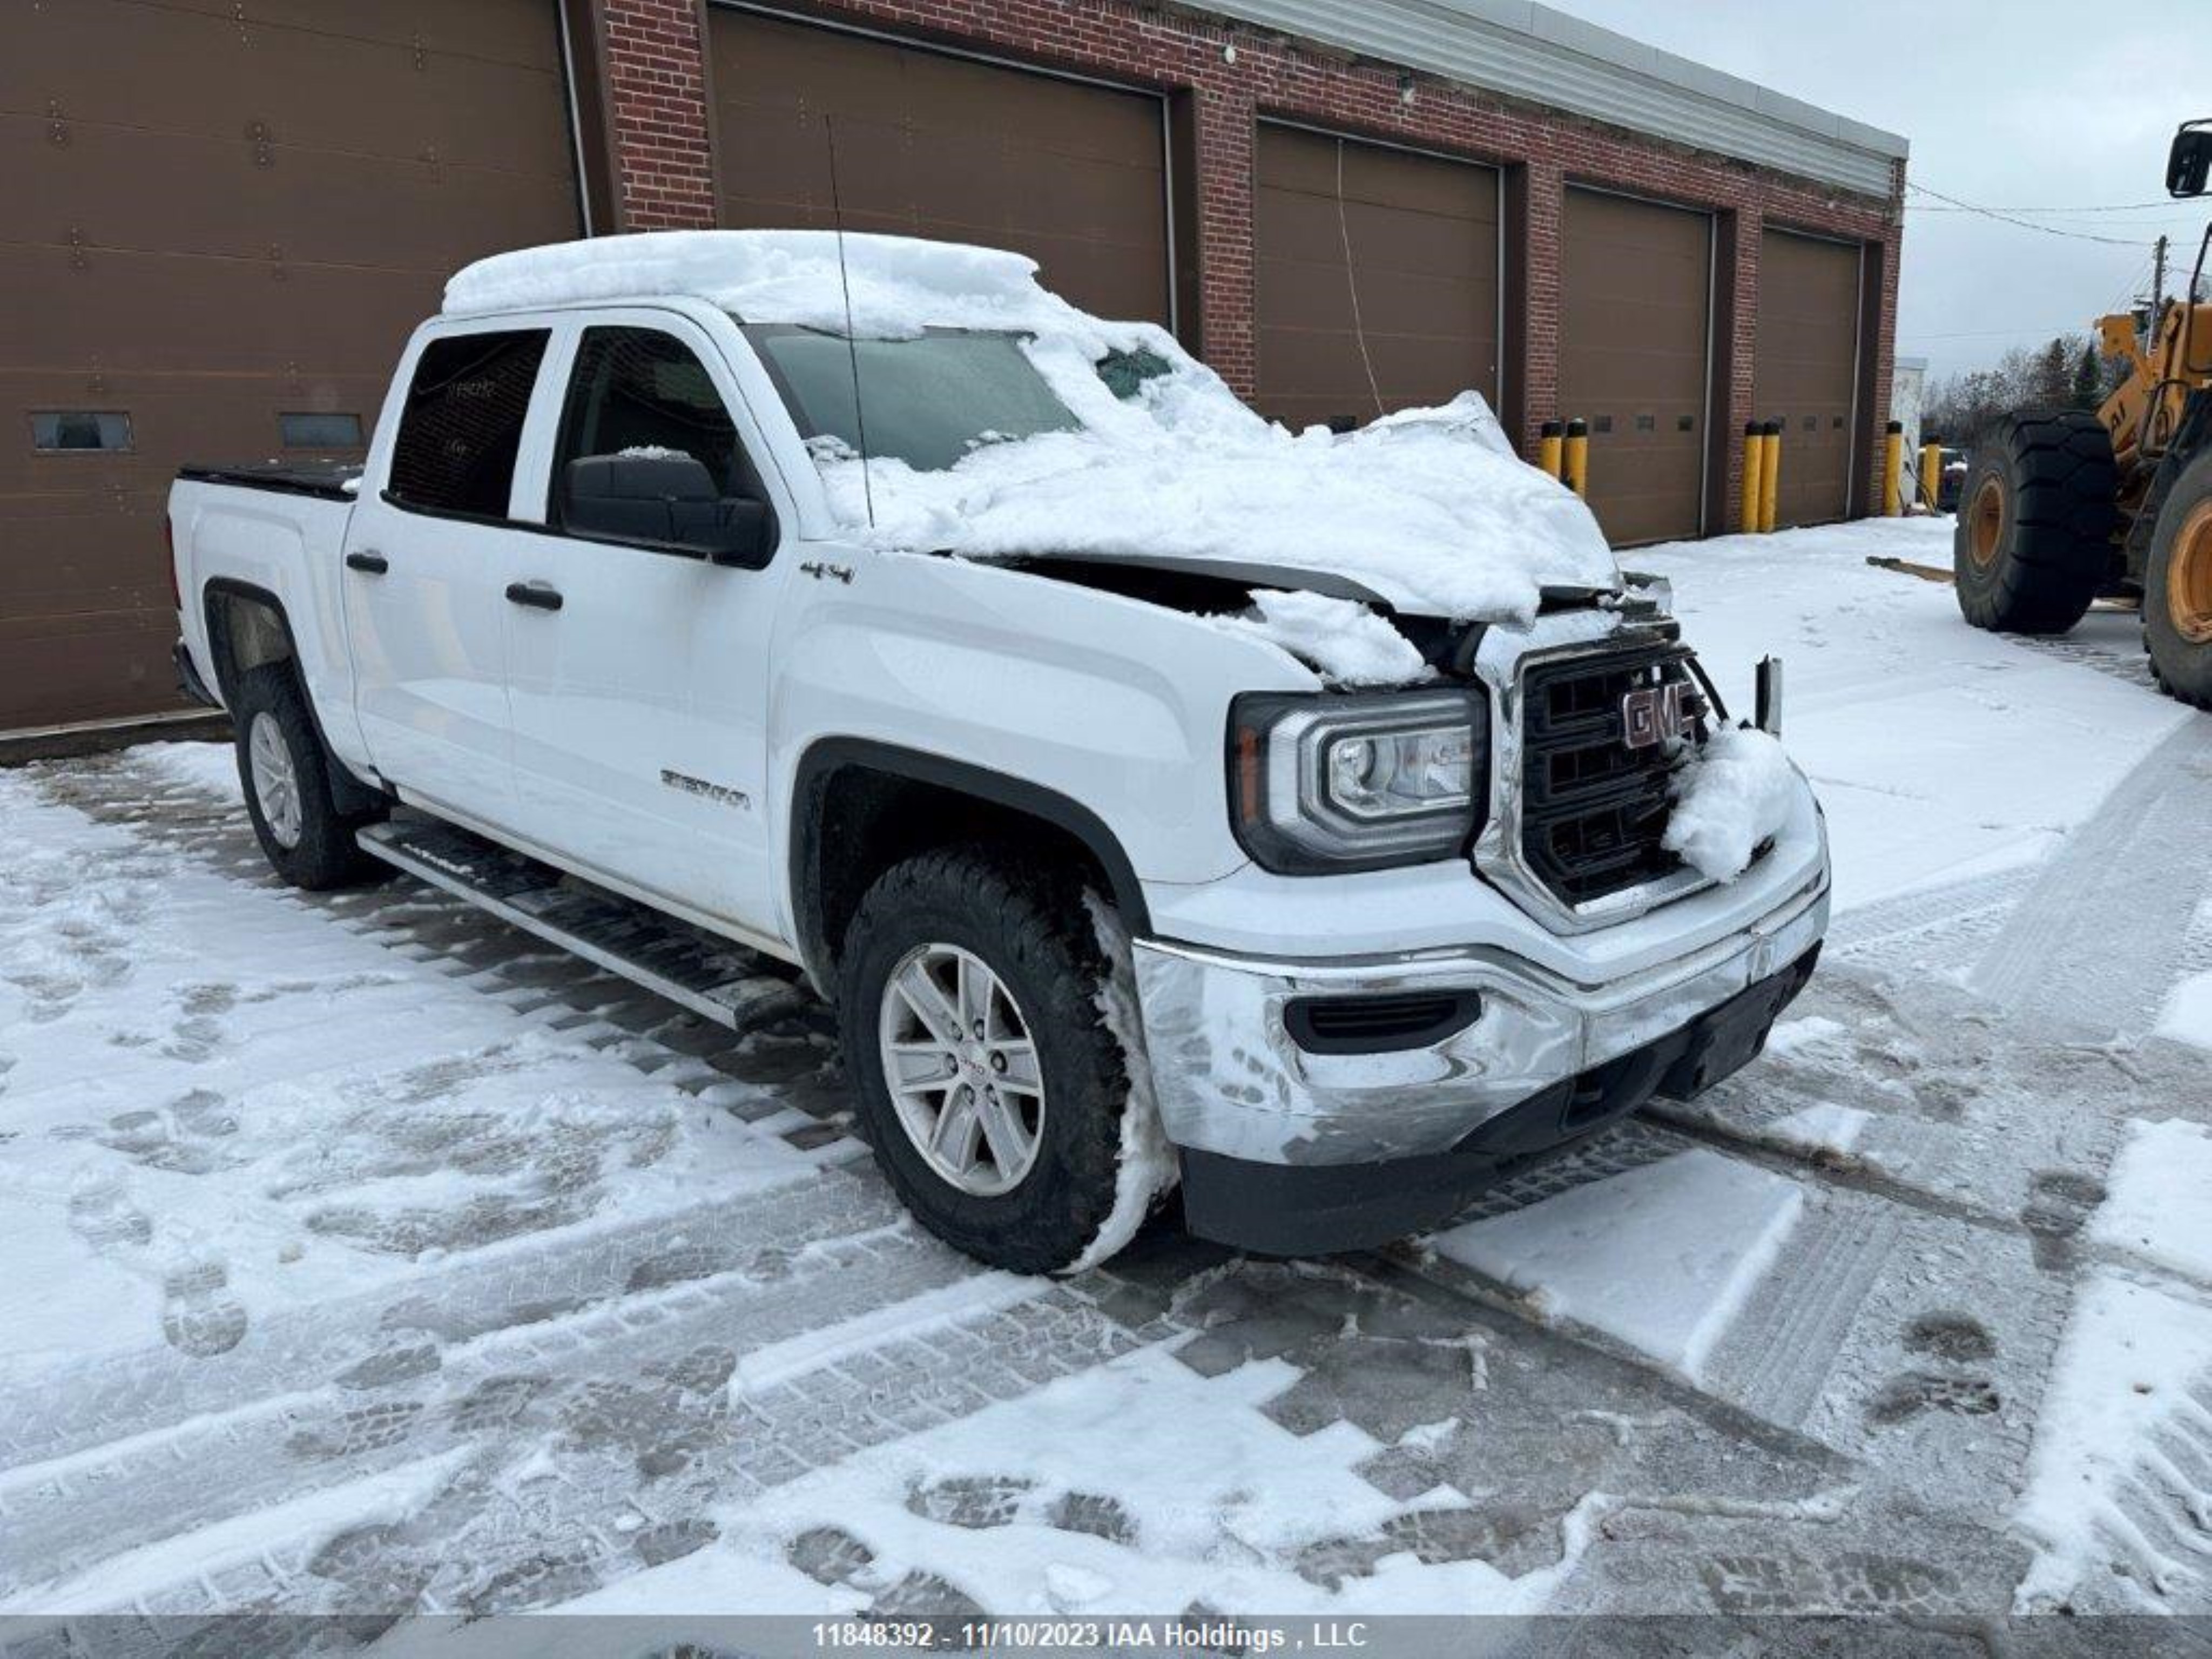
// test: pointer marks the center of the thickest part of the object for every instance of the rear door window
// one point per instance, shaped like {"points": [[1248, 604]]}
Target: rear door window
{"points": [[462, 425]]}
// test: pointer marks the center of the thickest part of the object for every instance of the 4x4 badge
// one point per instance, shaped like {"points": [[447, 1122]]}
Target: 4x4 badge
{"points": [[1653, 714]]}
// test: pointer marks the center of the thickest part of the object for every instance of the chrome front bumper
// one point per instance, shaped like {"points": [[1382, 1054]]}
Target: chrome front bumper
{"points": [[1231, 1080]]}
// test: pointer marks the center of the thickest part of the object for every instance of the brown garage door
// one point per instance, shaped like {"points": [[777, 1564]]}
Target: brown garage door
{"points": [[1805, 376], [1635, 339], [218, 235], [1422, 235], [1071, 174]]}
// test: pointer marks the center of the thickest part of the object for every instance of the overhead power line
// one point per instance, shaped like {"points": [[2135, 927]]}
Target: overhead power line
{"points": [[2062, 212], [2074, 327], [2025, 224]]}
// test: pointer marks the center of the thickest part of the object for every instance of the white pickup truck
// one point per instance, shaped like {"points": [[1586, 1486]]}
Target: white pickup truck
{"points": [[1320, 822]]}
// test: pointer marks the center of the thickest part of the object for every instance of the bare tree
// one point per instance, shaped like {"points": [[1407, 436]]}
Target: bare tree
{"points": [[2066, 372]]}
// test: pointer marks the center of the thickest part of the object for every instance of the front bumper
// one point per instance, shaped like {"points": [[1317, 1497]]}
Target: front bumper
{"points": [[1313, 1209], [1233, 1084]]}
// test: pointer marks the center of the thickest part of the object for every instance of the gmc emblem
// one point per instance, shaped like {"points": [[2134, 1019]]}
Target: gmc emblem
{"points": [[1652, 713]]}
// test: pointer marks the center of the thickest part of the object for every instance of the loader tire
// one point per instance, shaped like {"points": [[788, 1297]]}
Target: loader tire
{"points": [[2177, 604], [2033, 544]]}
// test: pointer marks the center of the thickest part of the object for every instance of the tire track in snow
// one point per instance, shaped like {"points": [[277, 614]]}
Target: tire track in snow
{"points": [[1946, 926], [2099, 940], [610, 1372], [1845, 1173], [573, 1272]]}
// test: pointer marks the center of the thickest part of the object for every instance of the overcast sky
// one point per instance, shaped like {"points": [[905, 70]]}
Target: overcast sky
{"points": [[2007, 104]]}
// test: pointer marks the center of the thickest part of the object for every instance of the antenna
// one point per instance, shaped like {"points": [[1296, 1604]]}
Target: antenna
{"points": [[852, 345]]}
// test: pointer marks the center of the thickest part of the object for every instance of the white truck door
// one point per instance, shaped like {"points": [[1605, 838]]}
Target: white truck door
{"points": [[427, 566], [639, 706]]}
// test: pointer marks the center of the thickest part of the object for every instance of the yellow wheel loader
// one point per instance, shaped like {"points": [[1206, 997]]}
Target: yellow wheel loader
{"points": [[2063, 508]]}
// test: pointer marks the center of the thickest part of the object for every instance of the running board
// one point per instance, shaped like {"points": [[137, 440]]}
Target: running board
{"points": [[711, 976]]}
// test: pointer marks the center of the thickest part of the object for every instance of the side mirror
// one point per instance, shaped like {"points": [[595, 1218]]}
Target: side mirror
{"points": [[663, 500], [2189, 163], [745, 536]]}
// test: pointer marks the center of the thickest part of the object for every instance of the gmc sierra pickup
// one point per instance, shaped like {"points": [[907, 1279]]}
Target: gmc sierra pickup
{"points": [[1320, 821]]}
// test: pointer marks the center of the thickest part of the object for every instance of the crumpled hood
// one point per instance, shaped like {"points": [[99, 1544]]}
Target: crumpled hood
{"points": [[1422, 516], [1428, 511]]}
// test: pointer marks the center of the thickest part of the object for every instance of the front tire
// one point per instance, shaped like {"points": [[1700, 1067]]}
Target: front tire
{"points": [[2033, 544], [991, 1087], [281, 764], [2178, 588]]}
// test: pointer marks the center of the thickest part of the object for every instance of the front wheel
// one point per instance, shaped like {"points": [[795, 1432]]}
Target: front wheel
{"points": [[2178, 588], [2033, 543], [995, 1092], [305, 837]]}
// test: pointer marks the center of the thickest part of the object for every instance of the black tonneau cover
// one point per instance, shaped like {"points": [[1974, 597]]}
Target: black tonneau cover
{"points": [[326, 479]]}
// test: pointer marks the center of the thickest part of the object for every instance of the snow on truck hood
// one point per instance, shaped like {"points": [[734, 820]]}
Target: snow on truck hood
{"points": [[1429, 510]]}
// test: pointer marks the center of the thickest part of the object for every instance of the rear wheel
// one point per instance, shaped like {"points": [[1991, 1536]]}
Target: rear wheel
{"points": [[2033, 544], [2178, 588], [288, 792]]}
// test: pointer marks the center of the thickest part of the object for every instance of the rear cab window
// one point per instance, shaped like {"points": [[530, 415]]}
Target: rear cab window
{"points": [[460, 429]]}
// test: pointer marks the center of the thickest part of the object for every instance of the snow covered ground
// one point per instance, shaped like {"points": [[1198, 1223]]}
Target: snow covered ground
{"points": [[363, 1256]]}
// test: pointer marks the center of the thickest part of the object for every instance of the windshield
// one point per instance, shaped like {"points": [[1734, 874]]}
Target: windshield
{"points": [[929, 401]]}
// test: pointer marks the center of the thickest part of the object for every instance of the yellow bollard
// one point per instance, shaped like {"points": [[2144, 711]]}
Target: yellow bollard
{"points": [[1931, 471], [1577, 457], [1548, 449], [1892, 470], [1770, 474], [1754, 459]]}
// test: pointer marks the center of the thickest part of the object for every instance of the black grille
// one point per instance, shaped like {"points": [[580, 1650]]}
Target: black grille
{"points": [[1592, 809]]}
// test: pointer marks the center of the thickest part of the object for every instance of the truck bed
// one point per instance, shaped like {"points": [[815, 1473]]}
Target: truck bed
{"points": [[326, 479]]}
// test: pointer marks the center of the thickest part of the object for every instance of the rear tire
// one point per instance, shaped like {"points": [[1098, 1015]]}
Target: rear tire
{"points": [[281, 763], [2176, 603], [1025, 926], [2033, 544]]}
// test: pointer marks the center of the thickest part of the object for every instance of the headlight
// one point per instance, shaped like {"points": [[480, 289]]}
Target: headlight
{"points": [[1328, 783]]}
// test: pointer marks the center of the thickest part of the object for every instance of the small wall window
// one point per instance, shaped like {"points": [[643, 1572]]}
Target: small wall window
{"points": [[66, 429], [319, 431]]}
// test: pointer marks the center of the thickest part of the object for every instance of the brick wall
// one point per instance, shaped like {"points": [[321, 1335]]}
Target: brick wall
{"points": [[656, 95], [1235, 76]]}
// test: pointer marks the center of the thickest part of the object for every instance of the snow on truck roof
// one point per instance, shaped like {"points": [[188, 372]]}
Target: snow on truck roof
{"points": [[1430, 509], [901, 285]]}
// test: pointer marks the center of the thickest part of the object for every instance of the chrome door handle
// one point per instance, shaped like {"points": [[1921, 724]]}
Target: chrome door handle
{"points": [[537, 595]]}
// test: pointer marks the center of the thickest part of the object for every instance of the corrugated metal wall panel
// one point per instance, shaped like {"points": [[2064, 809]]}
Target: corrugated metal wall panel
{"points": [[1532, 52]]}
